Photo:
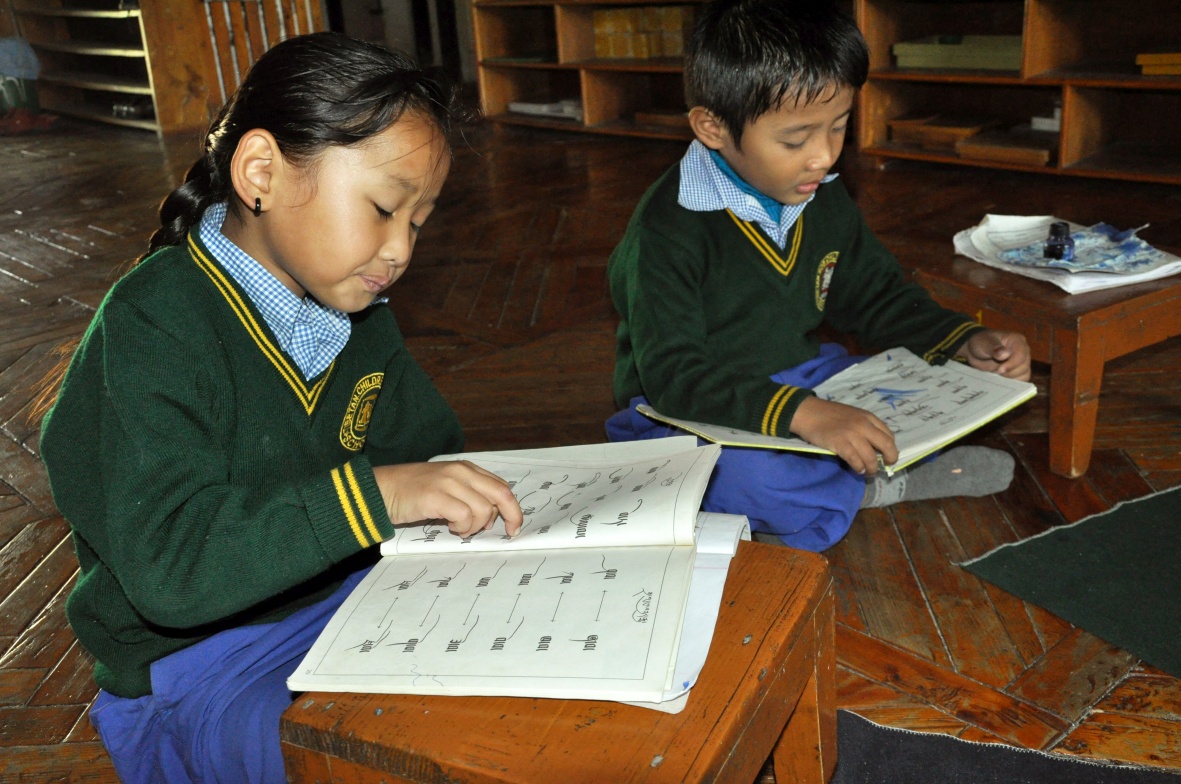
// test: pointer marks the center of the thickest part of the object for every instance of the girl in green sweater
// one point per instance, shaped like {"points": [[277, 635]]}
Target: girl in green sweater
{"points": [[242, 422]]}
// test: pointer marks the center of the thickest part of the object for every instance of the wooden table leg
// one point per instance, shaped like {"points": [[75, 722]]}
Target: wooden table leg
{"points": [[806, 752], [1076, 376]]}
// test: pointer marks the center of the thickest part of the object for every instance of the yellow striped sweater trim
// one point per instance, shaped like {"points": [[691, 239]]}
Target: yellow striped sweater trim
{"points": [[359, 499], [770, 252], [775, 408], [345, 504], [308, 396], [955, 335]]}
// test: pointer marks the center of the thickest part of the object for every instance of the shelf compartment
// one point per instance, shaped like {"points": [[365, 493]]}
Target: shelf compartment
{"points": [[1121, 132], [612, 98], [1073, 41], [97, 81], [884, 101], [516, 32], [94, 105], [886, 22], [501, 86]]}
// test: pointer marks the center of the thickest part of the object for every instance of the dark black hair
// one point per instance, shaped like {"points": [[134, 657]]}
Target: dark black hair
{"points": [[747, 57], [310, 92]]}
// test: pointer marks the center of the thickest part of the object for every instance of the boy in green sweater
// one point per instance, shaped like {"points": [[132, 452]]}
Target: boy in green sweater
{"points": [[735, 256]]}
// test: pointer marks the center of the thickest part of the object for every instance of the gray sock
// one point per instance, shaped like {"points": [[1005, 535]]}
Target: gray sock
{"points": [[965, 470]]}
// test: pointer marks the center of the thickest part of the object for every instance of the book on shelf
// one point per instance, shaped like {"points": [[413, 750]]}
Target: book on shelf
{"points": [[985, 52], [610, 590], [1161, 70], [1159, 58], [926, 406]]}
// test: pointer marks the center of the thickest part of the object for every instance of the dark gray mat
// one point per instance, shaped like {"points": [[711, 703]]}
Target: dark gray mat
{"points": [[869, 753], [1116, 574]]}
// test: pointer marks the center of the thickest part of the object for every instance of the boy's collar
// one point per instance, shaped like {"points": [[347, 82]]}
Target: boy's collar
{"points": [[774, 208]]}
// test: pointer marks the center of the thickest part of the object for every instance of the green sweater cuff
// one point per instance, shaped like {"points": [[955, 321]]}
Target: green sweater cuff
{"points": [[777, 412], [346, 509], [946, 348]]}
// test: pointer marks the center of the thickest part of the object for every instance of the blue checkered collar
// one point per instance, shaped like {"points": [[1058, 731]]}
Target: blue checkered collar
{"points": [[310, 333], [705, 187]]}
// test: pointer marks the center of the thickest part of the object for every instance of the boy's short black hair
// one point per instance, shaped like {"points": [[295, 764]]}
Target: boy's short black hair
{"points": [[746, 57]]}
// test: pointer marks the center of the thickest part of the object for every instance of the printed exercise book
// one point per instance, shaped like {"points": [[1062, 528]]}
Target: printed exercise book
{"points": [[587, 601], [926, 406]]}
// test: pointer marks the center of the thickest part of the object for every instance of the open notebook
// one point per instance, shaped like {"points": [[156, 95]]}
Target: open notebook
{"points": [[926, 406], [588, 601]]}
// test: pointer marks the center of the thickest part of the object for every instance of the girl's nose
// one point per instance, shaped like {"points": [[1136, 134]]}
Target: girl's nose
{"points": [[397, 247]]}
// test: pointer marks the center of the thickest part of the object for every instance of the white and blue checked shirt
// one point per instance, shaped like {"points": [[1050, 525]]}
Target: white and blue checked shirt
{"points": [[705, 187], [310, 333]]}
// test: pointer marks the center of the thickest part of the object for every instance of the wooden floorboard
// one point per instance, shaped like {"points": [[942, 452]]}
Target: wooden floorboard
{"points": [[506, 307]]}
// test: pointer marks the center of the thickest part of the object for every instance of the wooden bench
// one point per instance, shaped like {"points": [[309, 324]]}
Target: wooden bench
{"points": [[768, 688]]}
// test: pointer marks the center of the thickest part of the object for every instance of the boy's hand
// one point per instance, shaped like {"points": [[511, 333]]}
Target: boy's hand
{"points": [[995, 351], [465, 495], [856, 435]]}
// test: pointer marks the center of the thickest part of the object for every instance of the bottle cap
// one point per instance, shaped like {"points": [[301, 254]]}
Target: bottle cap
{"points": [[1059, 230]]}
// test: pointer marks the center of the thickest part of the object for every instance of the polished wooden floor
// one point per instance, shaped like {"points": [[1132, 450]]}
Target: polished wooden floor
{"points": [[506, 307]]}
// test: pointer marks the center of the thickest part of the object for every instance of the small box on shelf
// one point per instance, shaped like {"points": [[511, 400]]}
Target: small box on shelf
{"points": [[937, 132], [1021, 145]]}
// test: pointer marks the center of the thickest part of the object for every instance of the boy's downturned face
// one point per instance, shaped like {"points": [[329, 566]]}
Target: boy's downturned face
{"points": [[786, 152]]}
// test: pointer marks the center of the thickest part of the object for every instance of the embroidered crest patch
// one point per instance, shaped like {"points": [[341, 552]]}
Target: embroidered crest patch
{"points": [[359, 412], [824, 277]]}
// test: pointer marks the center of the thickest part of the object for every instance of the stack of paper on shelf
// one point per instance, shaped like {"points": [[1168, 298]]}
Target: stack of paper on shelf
{"points": [[987, 52], [610, 591], [926, 407], [565, 109], [1160, 63], [1104, 258]]}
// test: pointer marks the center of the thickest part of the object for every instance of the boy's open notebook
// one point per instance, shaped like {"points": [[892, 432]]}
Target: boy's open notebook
{"points": [[926, 406], [610, 591]]}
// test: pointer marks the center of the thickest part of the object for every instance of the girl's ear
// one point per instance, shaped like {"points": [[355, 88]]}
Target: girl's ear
{"points": [[708, 129], [254, 169]]}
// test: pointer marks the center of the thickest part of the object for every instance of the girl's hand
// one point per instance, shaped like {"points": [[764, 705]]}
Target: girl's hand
{"points": [[857, 436], [465, 495], [995, 351]]}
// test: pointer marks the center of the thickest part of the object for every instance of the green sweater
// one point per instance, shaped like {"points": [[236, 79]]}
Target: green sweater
{"points": [[206, 483], [711, 307]]}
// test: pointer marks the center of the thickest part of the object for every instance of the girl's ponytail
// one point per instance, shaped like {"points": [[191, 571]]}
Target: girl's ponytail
{"points": [[182, 209]]}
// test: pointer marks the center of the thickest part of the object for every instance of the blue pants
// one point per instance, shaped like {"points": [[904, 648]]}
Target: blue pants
{"points": [[213, 714], [808, 501]]}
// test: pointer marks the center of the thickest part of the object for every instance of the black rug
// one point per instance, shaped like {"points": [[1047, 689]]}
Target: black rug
{"points": [[1116, 574], [868, 753]]}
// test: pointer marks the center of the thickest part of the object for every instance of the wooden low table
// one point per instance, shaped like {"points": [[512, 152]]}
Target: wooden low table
{"points": [[1075, 333], [768, 687]]}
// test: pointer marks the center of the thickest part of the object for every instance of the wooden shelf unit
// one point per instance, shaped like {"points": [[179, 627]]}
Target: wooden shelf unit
{"points": [[544, 51], [1080, 54], [138, 66]]}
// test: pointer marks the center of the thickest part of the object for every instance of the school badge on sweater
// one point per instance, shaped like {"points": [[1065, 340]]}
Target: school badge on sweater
{"points": [[824, 277], [360, 411]]}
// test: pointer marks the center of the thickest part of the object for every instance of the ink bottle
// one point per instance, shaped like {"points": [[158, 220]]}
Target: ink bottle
{"points": [[1059, 245]]}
